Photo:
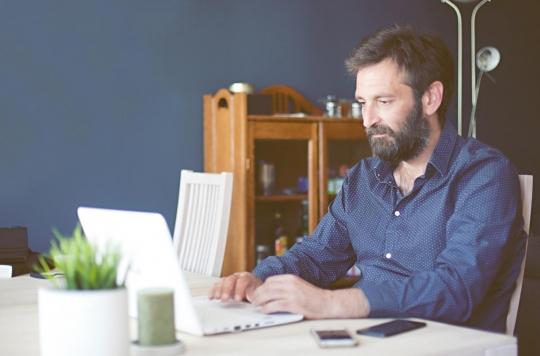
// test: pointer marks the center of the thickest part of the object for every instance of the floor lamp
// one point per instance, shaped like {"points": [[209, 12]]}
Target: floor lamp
{"points": [[487, 59], [474, 94]]}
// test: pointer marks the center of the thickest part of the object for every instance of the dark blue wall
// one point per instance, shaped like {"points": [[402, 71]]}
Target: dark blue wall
{"points": [[101, 101]]}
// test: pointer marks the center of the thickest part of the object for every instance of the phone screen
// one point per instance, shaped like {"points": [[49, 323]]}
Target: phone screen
{"points": [[390, 328], [334, 338], [333, 334]]}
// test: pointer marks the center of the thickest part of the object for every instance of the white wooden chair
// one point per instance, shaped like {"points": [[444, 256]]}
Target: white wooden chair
{"points": [[526, 184], [202, 221], [5, 271]]}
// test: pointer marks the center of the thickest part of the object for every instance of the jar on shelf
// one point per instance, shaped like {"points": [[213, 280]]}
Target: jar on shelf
{"points": [[263, 251], [280, 238], [331, 107], [356, 110]]}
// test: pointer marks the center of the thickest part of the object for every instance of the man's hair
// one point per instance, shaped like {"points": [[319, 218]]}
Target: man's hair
{"points": [[422, 58]]}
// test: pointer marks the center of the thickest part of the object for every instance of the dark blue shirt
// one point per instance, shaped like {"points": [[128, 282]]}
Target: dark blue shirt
{"points": [[450, 250]]}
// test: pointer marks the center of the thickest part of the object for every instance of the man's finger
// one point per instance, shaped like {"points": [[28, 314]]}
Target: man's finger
{"points": [[227, 287], [242, 284], [212, 294]]}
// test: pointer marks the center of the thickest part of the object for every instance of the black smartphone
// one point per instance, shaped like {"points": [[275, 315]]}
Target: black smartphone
{"points": [[390, 328]]}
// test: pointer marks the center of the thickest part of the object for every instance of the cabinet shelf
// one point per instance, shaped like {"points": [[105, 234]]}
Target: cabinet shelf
{"points": [[281, 198]]}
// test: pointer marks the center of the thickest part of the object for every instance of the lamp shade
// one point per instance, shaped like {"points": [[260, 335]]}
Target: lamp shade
{"points": [[487, 58]]}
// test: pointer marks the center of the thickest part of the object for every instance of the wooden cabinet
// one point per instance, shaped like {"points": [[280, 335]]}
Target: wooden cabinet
{"points": [[301, 149], [342, 143]]}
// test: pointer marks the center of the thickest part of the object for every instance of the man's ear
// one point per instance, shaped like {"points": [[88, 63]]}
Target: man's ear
{"points": [[432, 98]]}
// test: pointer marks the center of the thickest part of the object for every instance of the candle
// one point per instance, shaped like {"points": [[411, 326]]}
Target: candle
{"points": [[155, 307]]}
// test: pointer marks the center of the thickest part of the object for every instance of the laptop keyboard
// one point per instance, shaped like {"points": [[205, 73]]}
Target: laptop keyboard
{"points": [[230, 316]]}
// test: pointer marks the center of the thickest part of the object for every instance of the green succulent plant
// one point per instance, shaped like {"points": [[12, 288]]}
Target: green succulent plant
{"points": [[82, 264]]}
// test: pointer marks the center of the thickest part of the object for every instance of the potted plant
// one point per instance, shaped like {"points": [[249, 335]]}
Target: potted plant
{"points": [[85, 312]]}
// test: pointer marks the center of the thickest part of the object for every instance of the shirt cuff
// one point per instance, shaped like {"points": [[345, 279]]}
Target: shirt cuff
{"points": [[266, 268], [382, 302]]}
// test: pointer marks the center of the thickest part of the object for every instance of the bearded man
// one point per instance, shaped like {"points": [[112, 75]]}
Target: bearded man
{"points": [[432, 220]]}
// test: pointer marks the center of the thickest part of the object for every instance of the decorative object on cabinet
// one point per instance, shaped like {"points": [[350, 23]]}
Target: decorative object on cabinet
{"points": [[287, 100], [301, 150], [240, 87]]}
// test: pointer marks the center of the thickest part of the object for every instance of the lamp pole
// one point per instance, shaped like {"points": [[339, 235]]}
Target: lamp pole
{"points": [[474, 94], [460, 58]]}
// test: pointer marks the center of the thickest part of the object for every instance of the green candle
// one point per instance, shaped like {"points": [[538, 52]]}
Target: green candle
{"points": [[155, 307]]}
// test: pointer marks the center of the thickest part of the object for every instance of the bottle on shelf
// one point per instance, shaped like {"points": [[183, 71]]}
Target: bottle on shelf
{"points": [[280, 238], [263, 251], [302, 232], [267, 178], [331, 106], [335, 180]]}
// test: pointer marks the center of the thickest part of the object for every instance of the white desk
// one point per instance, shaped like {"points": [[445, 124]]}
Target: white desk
{"points": [[19, 334]]}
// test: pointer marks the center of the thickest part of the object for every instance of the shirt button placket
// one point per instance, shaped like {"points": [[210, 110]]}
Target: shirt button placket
{"points": [[388, 255]]}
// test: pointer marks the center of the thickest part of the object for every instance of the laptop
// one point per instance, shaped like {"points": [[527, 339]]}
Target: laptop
{"points": [[149, 260]]}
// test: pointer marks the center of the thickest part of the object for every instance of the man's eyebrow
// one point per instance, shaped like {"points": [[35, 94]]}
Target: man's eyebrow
{"points": [[358, 97]]}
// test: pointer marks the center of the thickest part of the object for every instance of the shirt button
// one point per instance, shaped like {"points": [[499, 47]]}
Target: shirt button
{"points": [[397, 213], [388, 255]]}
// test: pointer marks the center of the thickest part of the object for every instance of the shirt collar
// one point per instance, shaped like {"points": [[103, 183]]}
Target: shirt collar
{"points": [[440, 158]]}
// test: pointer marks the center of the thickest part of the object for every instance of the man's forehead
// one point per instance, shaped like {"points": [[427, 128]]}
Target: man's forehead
{"points": [[387, 67], [381, 76]]}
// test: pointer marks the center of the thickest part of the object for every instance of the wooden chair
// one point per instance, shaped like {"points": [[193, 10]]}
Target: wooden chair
{"points": [[526, 185], [202, 221], [287, 100]]}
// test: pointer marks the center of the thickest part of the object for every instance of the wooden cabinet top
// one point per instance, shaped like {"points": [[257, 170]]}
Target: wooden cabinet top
{"points": [[286, 118]]}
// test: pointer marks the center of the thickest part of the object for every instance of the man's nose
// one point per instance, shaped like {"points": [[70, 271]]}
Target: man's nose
{"points": [[369, 115]]}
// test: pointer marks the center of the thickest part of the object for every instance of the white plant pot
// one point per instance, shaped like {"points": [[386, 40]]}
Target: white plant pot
{"points": [[83, 323]]}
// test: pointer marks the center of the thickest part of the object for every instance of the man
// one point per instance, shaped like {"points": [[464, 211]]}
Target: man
{"points": [[432, 220]]}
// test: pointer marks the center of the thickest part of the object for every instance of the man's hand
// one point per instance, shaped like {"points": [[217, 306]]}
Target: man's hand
{"points": [[237, 286], [292, 294]]}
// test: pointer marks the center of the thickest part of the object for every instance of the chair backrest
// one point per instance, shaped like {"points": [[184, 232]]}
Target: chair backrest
{"points": [[6, 271], [526, 185], [287, 100], [202, 221]]}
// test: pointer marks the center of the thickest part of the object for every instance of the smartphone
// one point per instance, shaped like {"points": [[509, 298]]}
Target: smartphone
{"points": [[334, 338], [390, 328]]}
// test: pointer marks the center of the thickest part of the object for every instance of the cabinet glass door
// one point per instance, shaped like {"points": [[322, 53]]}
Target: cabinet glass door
{"points": [[284, 174], [281, 194], [342, 144]]}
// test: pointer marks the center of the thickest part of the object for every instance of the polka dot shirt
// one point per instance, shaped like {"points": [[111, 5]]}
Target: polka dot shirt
{"points": [[450, 250]]}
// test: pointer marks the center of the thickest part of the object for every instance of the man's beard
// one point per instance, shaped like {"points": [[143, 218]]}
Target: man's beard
{"points": [[404, 145]]}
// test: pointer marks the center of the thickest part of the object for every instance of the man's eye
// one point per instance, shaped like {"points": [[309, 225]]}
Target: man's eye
{"points": [[384, 102]]}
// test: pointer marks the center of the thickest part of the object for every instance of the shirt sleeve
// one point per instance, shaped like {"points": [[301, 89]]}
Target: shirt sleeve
{"points": [[323, 257], [484, 236]]}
